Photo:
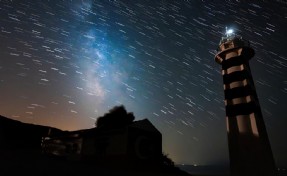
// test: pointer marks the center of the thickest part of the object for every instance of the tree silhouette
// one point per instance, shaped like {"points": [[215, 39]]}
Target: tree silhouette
{"points": [[166, 161], [116, 117]]}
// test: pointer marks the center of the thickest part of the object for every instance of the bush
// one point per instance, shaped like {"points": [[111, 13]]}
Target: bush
{"points": [[116, 117], [166, 161]]}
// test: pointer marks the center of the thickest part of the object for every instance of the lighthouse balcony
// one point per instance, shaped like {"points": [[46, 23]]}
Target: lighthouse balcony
{"points": [[232, 42]]}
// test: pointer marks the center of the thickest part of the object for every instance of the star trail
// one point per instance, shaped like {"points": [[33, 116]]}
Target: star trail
{"points": [[64, 63]]}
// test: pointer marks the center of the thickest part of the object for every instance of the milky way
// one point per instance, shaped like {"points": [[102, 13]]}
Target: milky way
{"points": [[65, 63]]}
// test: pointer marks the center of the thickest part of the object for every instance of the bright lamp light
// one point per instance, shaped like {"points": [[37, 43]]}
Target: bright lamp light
{"points": [[229, 31]]}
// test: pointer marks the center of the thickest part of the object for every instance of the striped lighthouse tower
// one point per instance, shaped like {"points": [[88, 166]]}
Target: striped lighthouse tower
{"points": [[249, 149]]}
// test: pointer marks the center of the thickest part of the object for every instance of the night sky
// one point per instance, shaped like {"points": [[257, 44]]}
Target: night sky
{"points": [[63, 63]]}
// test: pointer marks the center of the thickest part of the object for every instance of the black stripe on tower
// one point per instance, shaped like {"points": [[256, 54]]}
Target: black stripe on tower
{"points": [[235, 76], [233, 125], [240, 109], [233, 61], [238, 92]]}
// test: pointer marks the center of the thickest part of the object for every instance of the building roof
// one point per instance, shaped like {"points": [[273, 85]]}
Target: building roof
{"points": [[144, 124]]}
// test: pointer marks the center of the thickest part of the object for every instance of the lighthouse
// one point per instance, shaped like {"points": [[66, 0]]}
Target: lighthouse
{"points": [[250, 152]]}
